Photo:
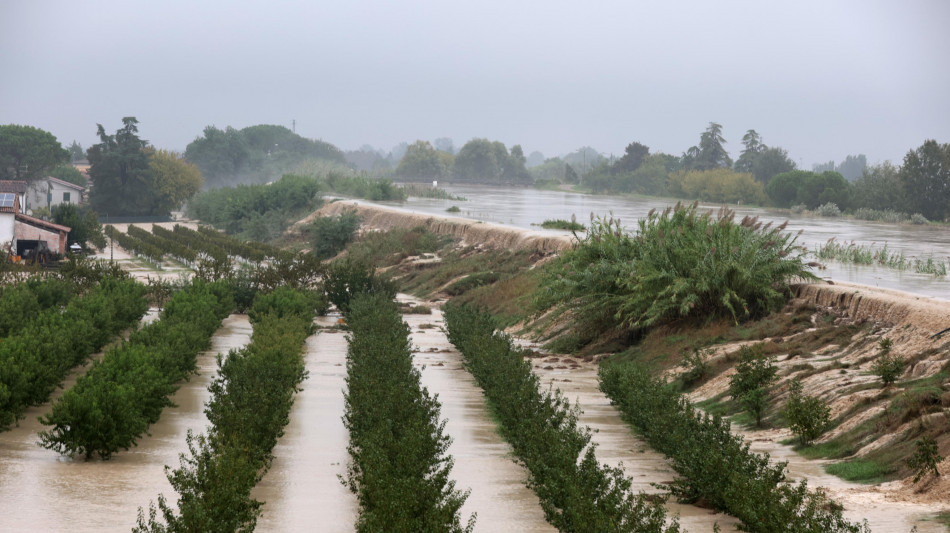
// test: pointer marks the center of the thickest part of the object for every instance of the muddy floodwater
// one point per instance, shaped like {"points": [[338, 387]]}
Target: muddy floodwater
{"points": [[528, 208], [41, 490]]}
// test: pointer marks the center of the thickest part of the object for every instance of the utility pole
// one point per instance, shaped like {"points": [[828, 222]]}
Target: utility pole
{"points": [[293, 123]]}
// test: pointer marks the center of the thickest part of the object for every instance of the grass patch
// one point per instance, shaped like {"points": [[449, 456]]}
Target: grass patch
{"points": [[559, 223], [834, 449], [861, 471]]}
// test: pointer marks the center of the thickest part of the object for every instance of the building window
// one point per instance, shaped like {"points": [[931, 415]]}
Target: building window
{"points": [[65, 197]]}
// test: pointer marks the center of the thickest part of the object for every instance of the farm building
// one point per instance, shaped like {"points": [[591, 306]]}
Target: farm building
{"points": [[24, 235]]}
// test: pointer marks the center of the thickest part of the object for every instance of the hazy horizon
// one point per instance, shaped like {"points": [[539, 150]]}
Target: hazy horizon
{"points": [[821, 79]]}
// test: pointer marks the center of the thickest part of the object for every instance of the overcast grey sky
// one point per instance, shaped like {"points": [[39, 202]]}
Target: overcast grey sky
{"points": [[822, 79]]}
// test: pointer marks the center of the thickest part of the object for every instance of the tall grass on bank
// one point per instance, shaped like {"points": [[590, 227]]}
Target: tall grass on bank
{"points": [[250, 404], [715, 466], [425, 191], [680, 264], [577, 492], [400, 466], [869, 254]]}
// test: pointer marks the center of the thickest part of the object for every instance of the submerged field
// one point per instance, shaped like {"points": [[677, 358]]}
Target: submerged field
{"points": [[827, 338]]}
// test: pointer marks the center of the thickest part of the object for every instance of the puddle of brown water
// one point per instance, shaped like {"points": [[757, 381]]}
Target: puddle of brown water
{"points": [[301, 491], [483, 462], [43, 491]]}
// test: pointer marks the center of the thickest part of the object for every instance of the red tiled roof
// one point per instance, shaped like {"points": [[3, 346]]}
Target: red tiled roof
{"points": [[66, 183], [42, 223], [16, 186]]}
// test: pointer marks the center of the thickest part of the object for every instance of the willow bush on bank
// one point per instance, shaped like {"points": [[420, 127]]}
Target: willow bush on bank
{"points": [[400, 465], [250, 404], [115, 402], [680, 264], [714, 465], [36, 359], [577, 493]]}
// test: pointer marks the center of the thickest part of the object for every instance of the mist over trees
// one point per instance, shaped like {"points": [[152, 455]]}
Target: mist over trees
{"points": [[255, 154], [851, 168]]}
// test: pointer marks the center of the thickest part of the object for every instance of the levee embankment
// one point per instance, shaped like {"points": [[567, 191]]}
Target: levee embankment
{"points": [[471, 232], [914, 321]]}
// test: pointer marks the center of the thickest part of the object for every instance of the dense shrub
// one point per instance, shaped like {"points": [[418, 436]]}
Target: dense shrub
{"points": [[399, 466], [680, 264], [829, 209], [332, 234], [721, 185], [807, 416], [714, 465], [755, 373], [36, 358], [22, 302], [114, 403], [347, 278], [577, 493]]}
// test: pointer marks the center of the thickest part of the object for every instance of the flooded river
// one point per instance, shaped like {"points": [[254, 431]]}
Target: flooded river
{"points": [[522, 208]]}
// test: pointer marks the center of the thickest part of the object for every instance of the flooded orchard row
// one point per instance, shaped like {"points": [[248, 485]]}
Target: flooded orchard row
{"points": [[43, 491], [39, 490]]}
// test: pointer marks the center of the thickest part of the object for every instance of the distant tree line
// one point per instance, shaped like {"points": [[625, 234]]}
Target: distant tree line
{"points": [[255, 154], [478, 161]]}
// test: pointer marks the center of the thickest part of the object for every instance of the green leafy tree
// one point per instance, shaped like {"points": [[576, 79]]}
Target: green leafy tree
{"points": [[770, 162], [219, 154], [710, 153], [76, 153], [752, 146], [28, 153], [84, 225], [807, 416], [174, 180], [332, 234], [926, 179], [819, 189], [69, 173], [755, 373], [486, 161], [925, 459], [783, 189], [119, 169], [880, 188], [422, 161], [634, 156]]}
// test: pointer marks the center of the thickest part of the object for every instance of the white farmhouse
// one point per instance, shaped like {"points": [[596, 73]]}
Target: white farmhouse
{"points": [[49, 192]]}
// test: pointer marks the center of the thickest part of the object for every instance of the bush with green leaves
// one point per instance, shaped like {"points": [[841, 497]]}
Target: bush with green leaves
{"points": [[400, 467], [251, 398], [331, 234], [925, 459], [755, 373], [347, 278], [888, 367], [714, 465], [112, 405], [680, 264], [36, 357], [577, 492], [22, 302], [807, 416]]}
